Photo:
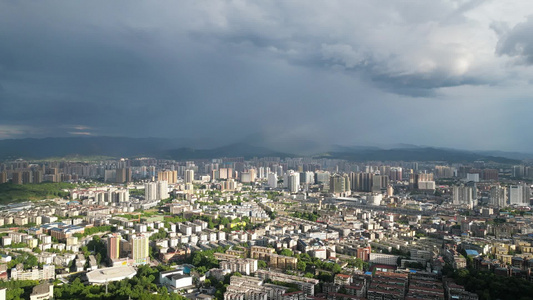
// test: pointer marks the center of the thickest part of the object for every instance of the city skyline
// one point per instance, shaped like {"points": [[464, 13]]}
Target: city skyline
{"points": [[232, 228], [444, 74]]}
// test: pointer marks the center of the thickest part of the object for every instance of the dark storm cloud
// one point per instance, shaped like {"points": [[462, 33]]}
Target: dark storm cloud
{"points": [[394, 46], [225, 70], [420, 85], [517, 41]]}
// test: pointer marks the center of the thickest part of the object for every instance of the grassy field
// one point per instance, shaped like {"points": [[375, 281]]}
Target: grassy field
{"points": [[10, 193]]}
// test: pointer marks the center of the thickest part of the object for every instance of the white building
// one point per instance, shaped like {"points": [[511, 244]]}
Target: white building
{"points": [[150, 191], [309, 178], [242, 265], [463, 195], [519, 194], [472, 177], [374, 199], [427, 185], [246, 177], [272, 180], [156, 190], [47, 272], [293, 182], [103, 276], [384, 259], [498, 196], [175, 280], [162, 189]]}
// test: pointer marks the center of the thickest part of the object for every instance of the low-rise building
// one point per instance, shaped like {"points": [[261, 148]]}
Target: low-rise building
{"points": [[242, 265], [42, 291], [175, 280]]}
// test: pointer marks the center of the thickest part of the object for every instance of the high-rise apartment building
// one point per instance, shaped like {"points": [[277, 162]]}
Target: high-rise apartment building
{"points": [[272, 179], [169, 176], [110, 175], [519, 194], [246, 177], [162, 190], [27, 176], [518, 171], [463, 195], [498, 196], [113, 246], [189, 176], [443, 172], [339, 184], [3, 177], [307, 177], [515, 194], [16, 177], [156, 190], [395, 174], [322, 177], [225, 173], [120, 175], [150, 191], [379, 182], [414, 179], [490, 174], [293, 182], [279, 171], [37, 176], [139, 249]]}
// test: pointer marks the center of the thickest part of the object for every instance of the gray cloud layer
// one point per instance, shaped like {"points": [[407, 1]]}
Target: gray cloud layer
{"points": [[516, 42], [342, 72]]}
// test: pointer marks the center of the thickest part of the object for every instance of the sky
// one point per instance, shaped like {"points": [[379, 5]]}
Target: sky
{"points": [[452, 74]]}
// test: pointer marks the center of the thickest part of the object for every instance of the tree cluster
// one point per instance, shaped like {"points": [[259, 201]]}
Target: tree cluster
{"points": [[205, 260], [488, 286], [310, 216], [33, 191], [27, 259], [18, 289], [144, 285]]}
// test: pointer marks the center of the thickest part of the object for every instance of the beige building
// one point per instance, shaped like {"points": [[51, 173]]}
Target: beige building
{"points": [[283, 262], [274, 260], [262, 253]]}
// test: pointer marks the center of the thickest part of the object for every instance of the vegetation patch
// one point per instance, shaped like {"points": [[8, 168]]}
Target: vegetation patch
{"points": [[10, 193]]}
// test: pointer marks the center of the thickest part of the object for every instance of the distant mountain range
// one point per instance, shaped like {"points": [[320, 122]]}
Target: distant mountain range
{"points": [[178, 149], [32, 148], [83, 146], [416, 154]]}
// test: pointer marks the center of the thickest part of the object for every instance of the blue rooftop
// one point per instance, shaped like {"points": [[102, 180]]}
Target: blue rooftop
{"points": [[472, 252]]}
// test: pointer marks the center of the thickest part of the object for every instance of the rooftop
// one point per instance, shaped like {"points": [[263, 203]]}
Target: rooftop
{"points": [[111, 274], [40, 289]]}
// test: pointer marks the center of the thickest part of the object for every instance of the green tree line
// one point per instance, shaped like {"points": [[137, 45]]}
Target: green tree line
{"points": [[10, 192], [144, 285]]}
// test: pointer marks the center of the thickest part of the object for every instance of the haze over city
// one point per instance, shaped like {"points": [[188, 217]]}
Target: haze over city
{"points": [[440, 73]]}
